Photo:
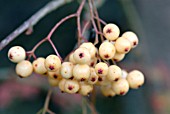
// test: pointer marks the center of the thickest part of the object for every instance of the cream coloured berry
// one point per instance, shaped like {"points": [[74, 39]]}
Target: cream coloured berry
{"points": [[103, 81], [16, 54], [114, 73], [120, 87], [107, 91], [118, 57], [67, 70], [111, 31], [24, 69], [85, 88], [135, 79], [52, 63], [55, 75], [90, 47], [53, 81], [101, 69], [71, 86], [122, 45], [124, 73], [93, 77], [81, 72], [107, 50], [39, 66], [81, 56], [92, 62], [71, 58], [132, 37], [61, 84]]}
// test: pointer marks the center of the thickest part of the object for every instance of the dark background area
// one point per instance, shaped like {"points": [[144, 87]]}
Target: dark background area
{"points": [[148, 18]]}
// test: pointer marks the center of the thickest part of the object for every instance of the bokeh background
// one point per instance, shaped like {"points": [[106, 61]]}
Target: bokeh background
{"points": [[148, 18]]}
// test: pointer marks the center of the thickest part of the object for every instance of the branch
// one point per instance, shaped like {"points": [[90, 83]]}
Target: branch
{"points": [[51, 6]]}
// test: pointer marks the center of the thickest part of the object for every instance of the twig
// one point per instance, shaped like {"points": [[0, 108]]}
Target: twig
{"points": [[51, 6], [46, 104]]}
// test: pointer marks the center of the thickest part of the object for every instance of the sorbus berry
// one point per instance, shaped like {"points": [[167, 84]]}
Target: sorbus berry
{"points": [[24, 69], [114, 73], [118, 57], [71, 58], [67, 70], [39, 66], [107, 91], [52, 63], [53, 81], [61, 84], [85, 89], [135, 79], [71, 86], [111, 31], [16, 54], [101, 69], [93, 77]]}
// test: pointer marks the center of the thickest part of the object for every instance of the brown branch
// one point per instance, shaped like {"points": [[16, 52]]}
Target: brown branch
{"points": [[34, 19]]}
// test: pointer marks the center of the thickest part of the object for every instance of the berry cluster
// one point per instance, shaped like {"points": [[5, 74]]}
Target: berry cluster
{"points": [[87, 66]]}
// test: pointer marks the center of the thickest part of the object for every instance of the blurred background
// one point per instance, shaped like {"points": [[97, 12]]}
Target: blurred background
{"points": [[148, 18]]}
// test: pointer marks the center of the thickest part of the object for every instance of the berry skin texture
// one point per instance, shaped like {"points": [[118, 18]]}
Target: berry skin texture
{"points": [[90, 47], [53, 82], [39, 66], [71, 86], [24, 69], [16, 54], [135, 79], [93, 77], [111, 32], [61, 84], [120, 87], [107, 50], [101, 69], [52, 63], [132, 37], [82, 56], [71, 59], [81, 72], [85, 89], [118, 57], [122, 45], [67, 70], [114, 73], [107, 91], [103, 81]]}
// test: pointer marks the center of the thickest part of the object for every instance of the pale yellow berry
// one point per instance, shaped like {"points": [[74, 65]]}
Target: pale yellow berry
{"points": [[39, 66], [91, 48], [67, 70], [61, 84], [24, 69], [81, 56], [16, 54], [120, 87], [122, 45], [107, 91], [71, 86], [135, 79], [132, 37], [81, 72], [118, 57], [101, 69], [111, 31], [71, 59], [114, 73], [93, 77], [52, 63], [55, 75], [107, 50], [53, 81], [85, 89], [103, 81]]}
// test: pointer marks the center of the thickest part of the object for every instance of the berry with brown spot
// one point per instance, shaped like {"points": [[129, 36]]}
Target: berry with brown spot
{"points": [[101, 69], [118, 57], [67, 70], [122, 45], [111, 31], [71, 86], [52, 63], [85, 89], [114, 73], [120, 87], [93, 76], [24, 68], [107, 50], [16, 54], [39, 66]]}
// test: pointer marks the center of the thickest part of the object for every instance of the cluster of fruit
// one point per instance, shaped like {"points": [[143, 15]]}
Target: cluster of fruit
{"points": [[87, 66]]}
